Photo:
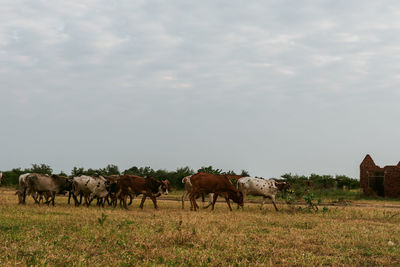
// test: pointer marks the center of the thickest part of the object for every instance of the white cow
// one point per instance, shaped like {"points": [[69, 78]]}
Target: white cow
{"points": [[89, 187], [23, 185], [259, 187], [188, 189]]}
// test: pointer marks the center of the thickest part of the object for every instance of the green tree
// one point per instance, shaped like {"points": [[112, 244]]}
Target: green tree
{"points": [[245, 173], [111, 170], [62, 173], [42, 168], [77, 171], [210, 170]]}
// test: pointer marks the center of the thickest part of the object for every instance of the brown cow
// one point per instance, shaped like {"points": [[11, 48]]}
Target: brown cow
{"points": [[136, 185], [211, 183]]}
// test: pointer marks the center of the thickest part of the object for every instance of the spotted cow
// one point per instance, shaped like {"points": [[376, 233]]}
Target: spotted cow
{"points": [[89, 187], [260, 187]]}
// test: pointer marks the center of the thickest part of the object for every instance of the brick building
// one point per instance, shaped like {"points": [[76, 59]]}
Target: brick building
{"points": [[377, 181]]}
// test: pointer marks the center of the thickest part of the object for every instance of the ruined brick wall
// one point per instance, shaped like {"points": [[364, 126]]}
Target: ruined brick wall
{"points": [[392, 181], [367, 165]]}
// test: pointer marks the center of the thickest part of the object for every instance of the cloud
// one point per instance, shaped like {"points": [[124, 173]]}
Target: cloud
{"points": [[178, 83]]}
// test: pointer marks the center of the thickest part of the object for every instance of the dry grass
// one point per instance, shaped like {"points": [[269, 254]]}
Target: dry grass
{"points": [[66, 235]]}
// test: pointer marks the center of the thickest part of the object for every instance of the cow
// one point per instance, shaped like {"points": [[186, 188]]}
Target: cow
{"points": [[1, 176], [54, 184], [283, 186], [89, 187], [188, 189], [211, 183], [113, 189], [261, 187], [23, 185], [136, 185]]}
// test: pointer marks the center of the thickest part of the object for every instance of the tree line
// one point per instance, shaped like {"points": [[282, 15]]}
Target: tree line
{"points": [[175, 177]]}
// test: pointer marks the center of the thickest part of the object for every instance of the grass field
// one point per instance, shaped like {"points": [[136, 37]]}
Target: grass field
{"points": [[66, 235]]}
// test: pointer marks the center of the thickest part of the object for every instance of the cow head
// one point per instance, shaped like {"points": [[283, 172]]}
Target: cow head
{"points": [[108, 185], [69, 184], [102, 188], [167, 185], [282, 186], [164, 187], [237, 197]]}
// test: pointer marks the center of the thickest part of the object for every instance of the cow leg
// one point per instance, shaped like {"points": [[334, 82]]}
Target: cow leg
{"points": [[50, 200], [210, 200], [115, 199], [244, 195], [53, 196], [214, 200], [19, 194], [87, 198], [154, 202], [24, 196], [192, 201], [183, 199], [80, 198], [273, 202], [262, 202], [229, 203], [90, 199], [130, 199], [35, 198], [142, 202], [75, 199], [195, 203], [69, 197], [123, 199]]}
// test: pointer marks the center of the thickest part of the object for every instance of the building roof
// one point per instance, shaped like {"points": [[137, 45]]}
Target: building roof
{"points": [[368, 162]]}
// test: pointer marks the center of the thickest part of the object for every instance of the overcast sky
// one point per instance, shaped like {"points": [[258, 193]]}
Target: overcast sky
{"points": [[267, 86]]}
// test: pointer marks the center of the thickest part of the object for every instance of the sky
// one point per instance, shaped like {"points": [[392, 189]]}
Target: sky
{"points": [[271, 87]]}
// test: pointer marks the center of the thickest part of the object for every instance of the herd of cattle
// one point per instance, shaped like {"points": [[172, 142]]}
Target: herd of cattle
{"points": [[111, 189]]}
